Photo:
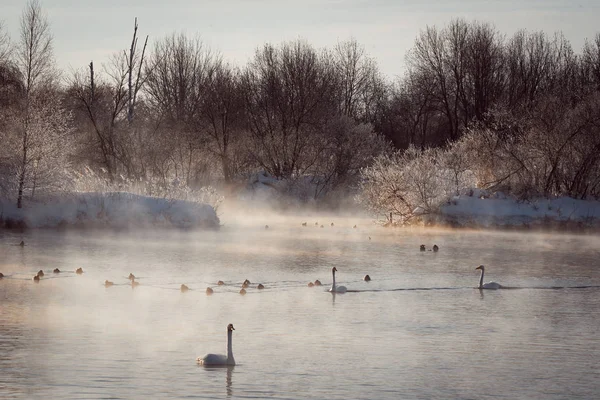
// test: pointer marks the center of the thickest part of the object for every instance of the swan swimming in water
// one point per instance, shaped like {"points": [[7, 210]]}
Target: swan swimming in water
{"points": [[220, 359], [334, 288], [488, 285]]}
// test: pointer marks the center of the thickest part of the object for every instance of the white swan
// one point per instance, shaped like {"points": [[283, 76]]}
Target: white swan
{"points": [[488, 285], [220, 359], [334, 288]]}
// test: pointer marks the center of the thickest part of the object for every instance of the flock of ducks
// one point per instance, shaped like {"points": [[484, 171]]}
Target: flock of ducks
{"points": [[246, 284]]}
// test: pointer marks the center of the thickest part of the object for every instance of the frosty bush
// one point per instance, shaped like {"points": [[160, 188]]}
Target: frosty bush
{"points": [[87, 180], [414, 182]]}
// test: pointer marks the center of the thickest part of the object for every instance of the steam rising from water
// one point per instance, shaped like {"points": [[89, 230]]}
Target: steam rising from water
{"points": [[131, 342]]}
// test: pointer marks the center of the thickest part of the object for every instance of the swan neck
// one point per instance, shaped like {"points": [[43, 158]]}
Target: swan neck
{"points": [[229, 347], [481, 279], [333, 285]]}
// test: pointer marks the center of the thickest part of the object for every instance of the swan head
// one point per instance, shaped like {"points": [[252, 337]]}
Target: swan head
{"points": [[334, 269], [230, 328], [481, 267]]}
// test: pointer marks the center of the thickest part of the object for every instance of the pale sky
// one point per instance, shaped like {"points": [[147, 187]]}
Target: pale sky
{"points": [[86, 30]]}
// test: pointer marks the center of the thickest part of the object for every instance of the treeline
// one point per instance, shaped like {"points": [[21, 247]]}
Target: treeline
{"points": [[173, 112]]}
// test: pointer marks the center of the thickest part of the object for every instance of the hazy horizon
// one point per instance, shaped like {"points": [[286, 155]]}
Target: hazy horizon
{"points": [[86, 31]]}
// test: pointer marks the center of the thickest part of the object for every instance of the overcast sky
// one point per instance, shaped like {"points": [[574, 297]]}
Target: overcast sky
{"points": [[87, 30]]}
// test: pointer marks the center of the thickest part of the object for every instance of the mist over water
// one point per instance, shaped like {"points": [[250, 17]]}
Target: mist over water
{"points": [[419, 329]]}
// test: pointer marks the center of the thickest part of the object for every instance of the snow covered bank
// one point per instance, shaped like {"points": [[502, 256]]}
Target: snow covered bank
{"points": [[475, 208], [117, 210]]}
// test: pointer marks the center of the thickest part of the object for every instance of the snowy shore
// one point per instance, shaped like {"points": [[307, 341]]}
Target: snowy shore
{"points": [[477, 209], [116, 210]]}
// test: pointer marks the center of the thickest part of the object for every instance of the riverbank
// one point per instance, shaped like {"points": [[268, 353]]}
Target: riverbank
{"points": [[115, 210]]}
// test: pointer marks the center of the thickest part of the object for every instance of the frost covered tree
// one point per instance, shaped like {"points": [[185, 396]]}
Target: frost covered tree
{"points": [[40, 121]]}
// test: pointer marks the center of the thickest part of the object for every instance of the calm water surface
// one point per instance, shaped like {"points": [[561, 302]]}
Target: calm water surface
{"points": [[418, 330]]}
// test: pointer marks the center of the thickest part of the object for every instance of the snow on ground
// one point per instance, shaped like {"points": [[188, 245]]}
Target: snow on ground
{"points": [[115, 210], [478, 209]]}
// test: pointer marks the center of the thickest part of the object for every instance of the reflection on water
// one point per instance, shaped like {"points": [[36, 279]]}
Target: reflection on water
{"points": [[419, 329]]}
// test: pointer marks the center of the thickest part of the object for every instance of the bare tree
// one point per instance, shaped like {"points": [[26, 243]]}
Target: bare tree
{"points": [[290, 95], [36, 64], [221, 110], [135, 78]]}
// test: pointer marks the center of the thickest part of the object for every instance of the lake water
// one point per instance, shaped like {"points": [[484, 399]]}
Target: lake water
{"points": [[418, 330]]}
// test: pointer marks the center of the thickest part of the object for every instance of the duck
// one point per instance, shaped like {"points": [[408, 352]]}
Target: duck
{"points": [[79, 271], [422, 247], [367, 278], [304, 224], [56, 271], [260, 286], [131, 276], [266, 226], [220, 283], [310, 284], [108, 283], [354, 227], [40, 273], [184, 288], [317, 283], [435, 248], [332, 224], [209, 291], [134, 283], [220, 359], [22, 243], [36, 278], [1, 275], [243, 291]]}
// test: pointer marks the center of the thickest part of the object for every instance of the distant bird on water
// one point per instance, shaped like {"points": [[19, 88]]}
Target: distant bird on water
{"points": [[422, 247], [367, 278], [40, 273], [79, 271], [435, 248], [56, 271], [220, 283], [184, 288], [260, 286], [317, 283], [108, 283], [243, 291], [488, 285], [209, 291]]}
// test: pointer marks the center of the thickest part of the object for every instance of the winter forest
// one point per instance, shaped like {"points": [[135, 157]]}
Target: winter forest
{"points": [[170, 117]]}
